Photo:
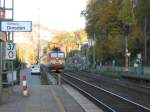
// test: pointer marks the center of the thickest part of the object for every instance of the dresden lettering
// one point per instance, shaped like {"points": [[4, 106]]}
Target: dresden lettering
{"points": [[15, 28]]}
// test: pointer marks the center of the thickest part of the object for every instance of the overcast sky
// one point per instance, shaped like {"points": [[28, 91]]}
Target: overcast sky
{"points": [[55, 14]]}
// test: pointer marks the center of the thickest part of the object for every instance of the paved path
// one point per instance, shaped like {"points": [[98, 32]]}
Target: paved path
{"points": [[32, 79], [42, 98], [45, 98]]}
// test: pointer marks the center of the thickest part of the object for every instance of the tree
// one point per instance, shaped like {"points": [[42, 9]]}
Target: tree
{"points": [[70, 41]]}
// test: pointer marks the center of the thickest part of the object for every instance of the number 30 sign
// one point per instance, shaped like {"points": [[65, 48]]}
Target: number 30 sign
{"points": [[10, 51]]}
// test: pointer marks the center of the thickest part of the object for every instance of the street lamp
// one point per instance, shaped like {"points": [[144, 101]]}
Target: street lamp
{"points": [[145, 41], [92, 43], [94, 50], [38, 53], [126, 31], [128, 55]]}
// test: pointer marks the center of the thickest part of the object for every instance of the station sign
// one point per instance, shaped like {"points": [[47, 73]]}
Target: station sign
{"points": [[10, 51], [16, 26]]}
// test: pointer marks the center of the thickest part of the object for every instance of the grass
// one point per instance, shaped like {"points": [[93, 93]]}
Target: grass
{"points": [[44, 80], [111, 74]]}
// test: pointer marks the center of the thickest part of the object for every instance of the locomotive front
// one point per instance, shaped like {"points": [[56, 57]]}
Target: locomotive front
{"points": [[56, 60]]}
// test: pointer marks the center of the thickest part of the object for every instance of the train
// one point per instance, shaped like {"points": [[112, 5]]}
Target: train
{"points": [[56, 60]]}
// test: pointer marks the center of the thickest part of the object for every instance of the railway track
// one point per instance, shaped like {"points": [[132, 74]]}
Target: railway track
{"points": [[131, 91], [133, 84], [107, 100]]}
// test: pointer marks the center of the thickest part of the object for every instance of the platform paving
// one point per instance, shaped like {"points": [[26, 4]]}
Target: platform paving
{"points": [[42, 98]]}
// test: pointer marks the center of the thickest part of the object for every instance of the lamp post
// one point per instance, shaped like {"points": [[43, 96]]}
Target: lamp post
{"points": [[126, 57], [145, 41], [126, 31], [38, 46], [93, 50], [128, 54], [92, 43]]}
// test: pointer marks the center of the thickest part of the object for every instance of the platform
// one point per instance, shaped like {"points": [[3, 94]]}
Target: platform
{"points": [[45, 98]]}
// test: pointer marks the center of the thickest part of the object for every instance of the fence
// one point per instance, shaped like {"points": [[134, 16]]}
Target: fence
{"points": [[132, 70]]}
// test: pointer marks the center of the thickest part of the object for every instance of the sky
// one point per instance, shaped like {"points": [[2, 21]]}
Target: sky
{"points": [[63, 15]]}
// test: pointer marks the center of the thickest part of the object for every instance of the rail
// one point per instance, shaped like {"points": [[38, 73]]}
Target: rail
{"points": [[109, 101]]}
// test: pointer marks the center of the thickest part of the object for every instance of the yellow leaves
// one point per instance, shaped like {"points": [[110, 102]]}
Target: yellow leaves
{"points": [[70, 40], [83, 37], [125, 13], [26, 53]]}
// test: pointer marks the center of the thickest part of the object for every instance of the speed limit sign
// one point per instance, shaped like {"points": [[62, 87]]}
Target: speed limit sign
{"points": [[10, 51]]}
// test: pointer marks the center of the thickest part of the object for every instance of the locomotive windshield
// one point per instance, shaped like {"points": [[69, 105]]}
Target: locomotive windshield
{"points": [[53, 55], [57, 55], [60, 55]]}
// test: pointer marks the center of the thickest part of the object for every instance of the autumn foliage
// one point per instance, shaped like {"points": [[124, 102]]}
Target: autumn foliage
{"points": [[107, 19]]}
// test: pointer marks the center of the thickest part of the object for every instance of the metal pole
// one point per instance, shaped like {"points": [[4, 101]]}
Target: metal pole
{"points": [[94, 51], [39, 36], [66, 52], [126, 51], [59, 79], [4, 7], [145, 41], [11, 62], [0, 71], [8, 36], [12, 9], [86, 58], [12, 68], [133, 6]]}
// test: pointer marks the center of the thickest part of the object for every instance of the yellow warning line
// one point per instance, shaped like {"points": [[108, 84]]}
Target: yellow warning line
{"points": [[58, 101]]}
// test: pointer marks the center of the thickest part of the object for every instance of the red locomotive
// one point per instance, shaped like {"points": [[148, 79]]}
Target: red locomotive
{"points": [[56, 60]]}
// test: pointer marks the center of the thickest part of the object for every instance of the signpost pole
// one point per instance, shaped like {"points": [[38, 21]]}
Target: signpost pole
{"points": [[12, 69], [0, 71], [12, 41]]}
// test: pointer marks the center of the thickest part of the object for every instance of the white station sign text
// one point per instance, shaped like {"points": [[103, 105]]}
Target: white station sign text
{"points": [[16, 26]]}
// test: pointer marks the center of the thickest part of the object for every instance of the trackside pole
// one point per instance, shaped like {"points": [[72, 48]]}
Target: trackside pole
{"points": [[59, 79], [25, 89]]}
